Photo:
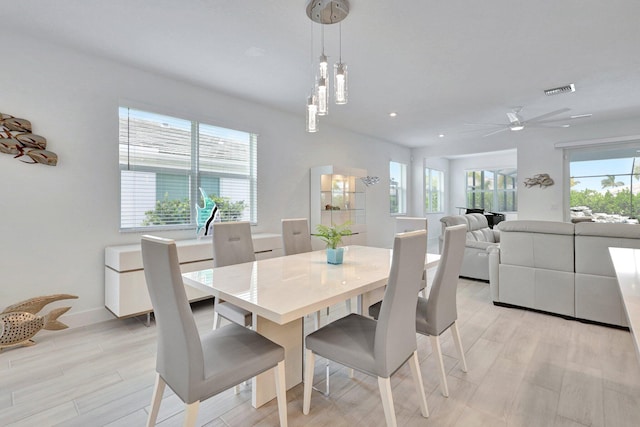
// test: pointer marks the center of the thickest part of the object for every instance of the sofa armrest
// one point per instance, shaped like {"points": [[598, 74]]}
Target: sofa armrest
{"points": [[482, 246], [496, 235], [494, 270]]}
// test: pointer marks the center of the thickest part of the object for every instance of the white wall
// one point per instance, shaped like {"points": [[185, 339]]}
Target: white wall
{"points": [[56, 221]]}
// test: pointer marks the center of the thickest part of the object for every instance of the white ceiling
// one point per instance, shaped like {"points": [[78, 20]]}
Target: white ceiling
{"points": [[438, 63]]}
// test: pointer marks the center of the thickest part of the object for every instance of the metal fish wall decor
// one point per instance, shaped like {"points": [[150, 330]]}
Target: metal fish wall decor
{"points": [[541, 179], [16, 139]]}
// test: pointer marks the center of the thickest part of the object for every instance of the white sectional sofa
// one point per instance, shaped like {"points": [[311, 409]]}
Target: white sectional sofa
{"points": [[479, 239], [561, 268]]}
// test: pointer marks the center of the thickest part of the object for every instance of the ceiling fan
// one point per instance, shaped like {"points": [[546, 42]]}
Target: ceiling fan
{"points": [[518, 123]]}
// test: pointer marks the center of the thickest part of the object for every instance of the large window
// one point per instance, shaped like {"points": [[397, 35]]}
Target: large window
{"points": [[165, 161], [397, 188], [492, 190], [433, 191], [604, 184]]}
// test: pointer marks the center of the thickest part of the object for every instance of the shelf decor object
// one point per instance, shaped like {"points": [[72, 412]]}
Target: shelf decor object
{"points": [[19, 322], [332, 236], [337, 196]]}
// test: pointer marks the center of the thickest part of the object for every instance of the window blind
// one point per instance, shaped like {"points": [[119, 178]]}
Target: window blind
{"points": [[167, 162]]}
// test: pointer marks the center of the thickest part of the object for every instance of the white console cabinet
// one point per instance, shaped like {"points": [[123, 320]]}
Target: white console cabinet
{"points": [[125, 287]]}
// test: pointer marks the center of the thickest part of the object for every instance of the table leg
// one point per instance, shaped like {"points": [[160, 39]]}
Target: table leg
{"points": [[289, 336]]}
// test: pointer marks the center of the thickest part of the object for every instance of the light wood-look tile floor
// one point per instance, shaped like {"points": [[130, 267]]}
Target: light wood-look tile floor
{"points": [[525, 369]]}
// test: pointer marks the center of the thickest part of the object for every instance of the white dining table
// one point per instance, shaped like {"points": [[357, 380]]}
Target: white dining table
{"points": [[281, 291]]}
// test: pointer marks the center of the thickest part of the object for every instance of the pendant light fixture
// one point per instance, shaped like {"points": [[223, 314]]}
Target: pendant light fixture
{"points": [[312, 114], [312, 100], [326, 12], [322, 87], [340, 76]]}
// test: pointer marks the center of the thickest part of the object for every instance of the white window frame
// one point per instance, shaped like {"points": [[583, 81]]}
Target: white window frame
{"points": [[400, 188], [494, 191], [428, 190], [194, 175]]}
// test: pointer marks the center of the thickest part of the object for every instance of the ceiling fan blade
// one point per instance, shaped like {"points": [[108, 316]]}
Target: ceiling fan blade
{"points": [[544, 116], [485, 124], [564, 119], [496, 131]]}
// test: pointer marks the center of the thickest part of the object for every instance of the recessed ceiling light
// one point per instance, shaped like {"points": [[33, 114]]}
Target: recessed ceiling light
{"points": [[441, 135], [393, 114], [566, 125]]}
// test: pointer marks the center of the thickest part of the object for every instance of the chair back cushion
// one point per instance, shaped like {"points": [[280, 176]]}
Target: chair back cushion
{"points": [[441, 307], [180, 360], [395, 337], [295, 236], [477, 226], [232, 243]]}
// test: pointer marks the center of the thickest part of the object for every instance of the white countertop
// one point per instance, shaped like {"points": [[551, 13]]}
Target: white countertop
{"points": [[626, 262]]}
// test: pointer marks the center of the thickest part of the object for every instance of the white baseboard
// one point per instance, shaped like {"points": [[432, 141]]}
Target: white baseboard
{"points": [[87, 317]]}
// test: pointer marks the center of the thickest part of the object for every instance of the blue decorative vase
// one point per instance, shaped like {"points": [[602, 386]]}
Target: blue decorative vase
{"points": [[334, 256]]}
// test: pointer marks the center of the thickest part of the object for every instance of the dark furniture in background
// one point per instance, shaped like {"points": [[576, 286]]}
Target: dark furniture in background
{"points": [[493, 218]]}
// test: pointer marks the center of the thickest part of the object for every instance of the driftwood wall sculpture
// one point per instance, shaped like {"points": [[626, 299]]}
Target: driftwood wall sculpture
{"points": [[16, 139], [542, 179]]}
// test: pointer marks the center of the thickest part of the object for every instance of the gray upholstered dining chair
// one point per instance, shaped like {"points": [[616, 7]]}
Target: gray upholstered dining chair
{"points": [[439, 312], [295, 236], [379, 348], [410, 223], [232, 244], [195, 366]]}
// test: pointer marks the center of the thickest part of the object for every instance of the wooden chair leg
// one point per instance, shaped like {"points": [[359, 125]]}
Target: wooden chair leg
{"points": [[191, 414], [384, 384], [456, 338], [156, 399], [308, 380], [437, 350], [281, 393], [414, 364]]}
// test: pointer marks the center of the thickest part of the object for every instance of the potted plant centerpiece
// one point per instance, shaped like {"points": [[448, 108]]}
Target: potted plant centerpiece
{"points": [[332, 236]]}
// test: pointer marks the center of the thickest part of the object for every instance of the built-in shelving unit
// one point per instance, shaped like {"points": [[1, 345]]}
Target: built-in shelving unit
{"points": [[337, 196]]}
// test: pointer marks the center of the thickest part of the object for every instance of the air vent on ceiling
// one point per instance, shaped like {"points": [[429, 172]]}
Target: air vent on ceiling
{"points": [[562, 89]]}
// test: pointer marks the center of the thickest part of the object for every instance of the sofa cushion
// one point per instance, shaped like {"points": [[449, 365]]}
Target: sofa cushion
{"points": [[528, 226], [537, 250], [593, 240], [598, 298], [536, 288]]}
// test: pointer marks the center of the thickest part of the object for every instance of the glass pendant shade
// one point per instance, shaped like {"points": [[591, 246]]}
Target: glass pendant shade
{"points": [[340, 82], [323, 104], [323, 66], [312, 114]]}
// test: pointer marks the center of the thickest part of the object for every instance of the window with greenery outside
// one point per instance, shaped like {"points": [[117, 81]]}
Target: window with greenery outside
{"points": [[165, 160], [605, 188], [169, 212], [492, 190]]}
